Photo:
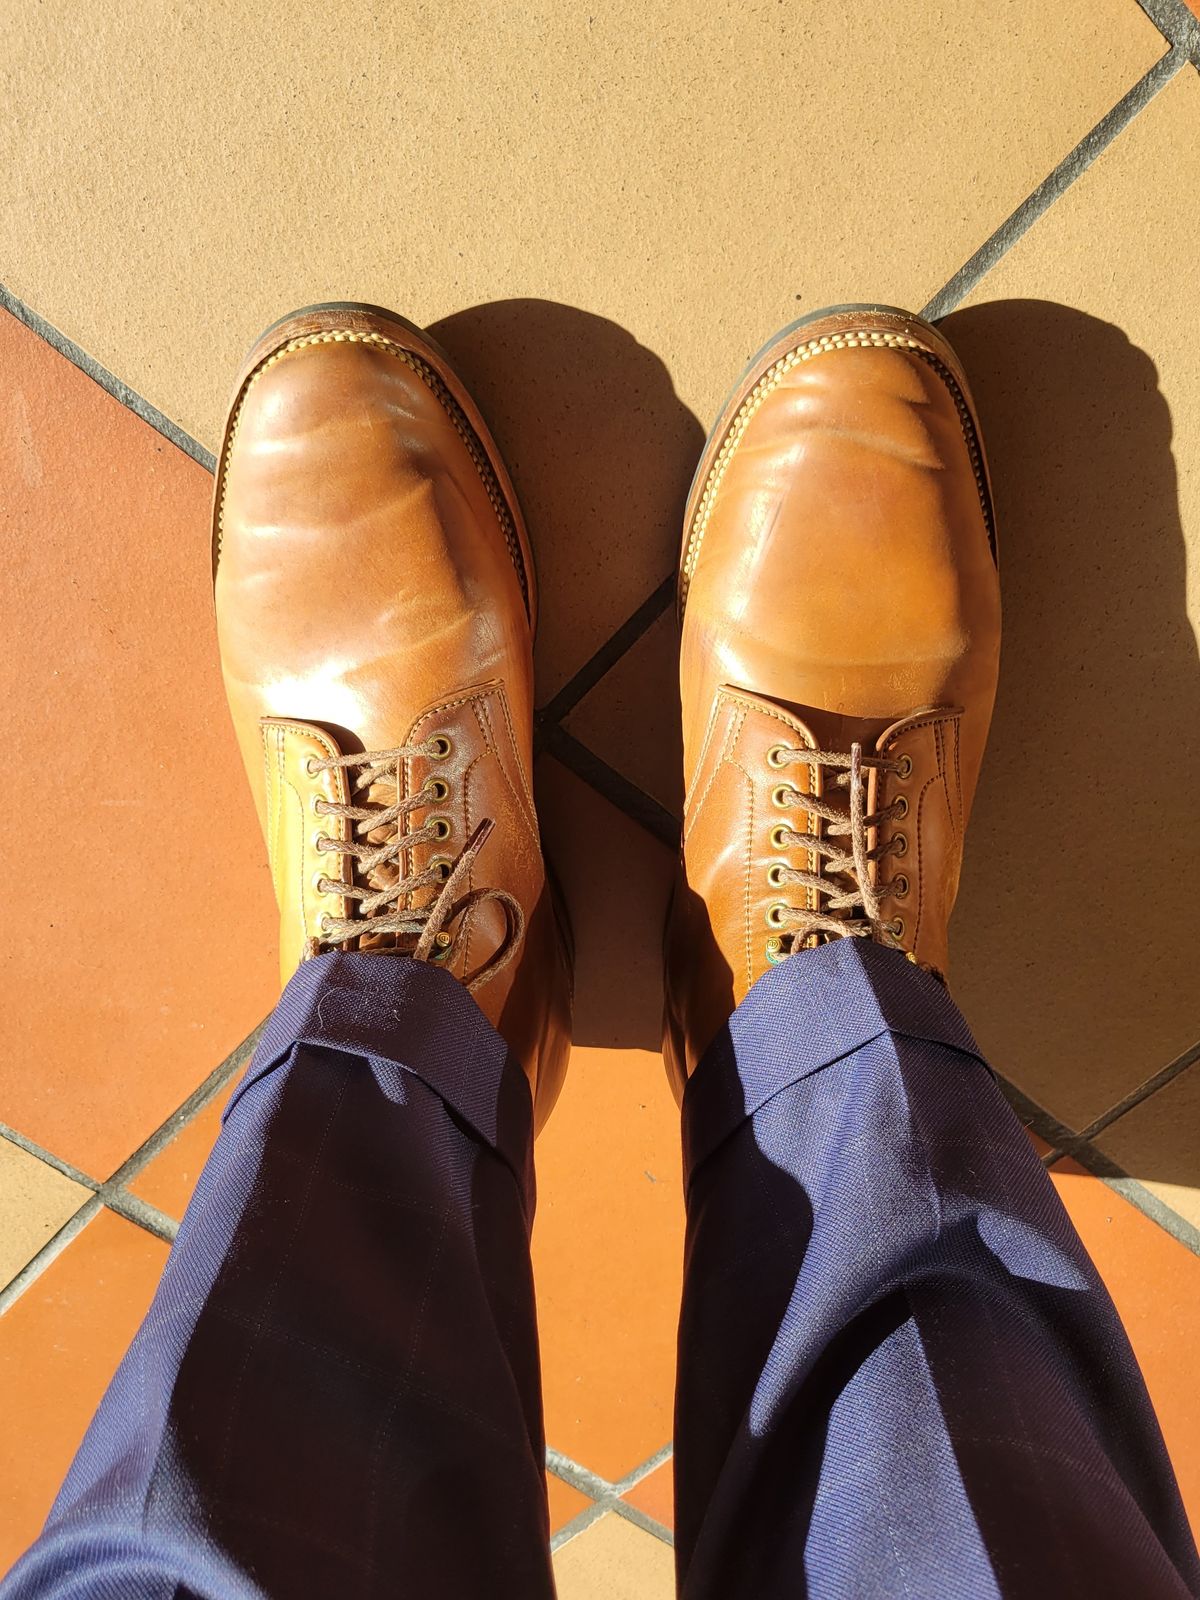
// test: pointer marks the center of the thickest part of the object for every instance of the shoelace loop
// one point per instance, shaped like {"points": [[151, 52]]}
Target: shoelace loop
{"points": [[845, 883], [380, 888]]}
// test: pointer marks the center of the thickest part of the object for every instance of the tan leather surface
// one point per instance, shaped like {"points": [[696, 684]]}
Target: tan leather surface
{"points": [[374, 590], [838, 585]]}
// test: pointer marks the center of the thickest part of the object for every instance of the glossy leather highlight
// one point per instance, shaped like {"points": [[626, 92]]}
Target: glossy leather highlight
{"points": [[838, 585], [375, 590]]}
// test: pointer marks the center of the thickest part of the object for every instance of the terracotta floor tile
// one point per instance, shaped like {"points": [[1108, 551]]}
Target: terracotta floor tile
{"points": [[632, 162], [655, 1495], [608, 1254], [35, 1201], [167, 1182], [59, 1345], [1082, 347], [613, 1560], [608, 1239], [122, 993], [1156, 1143], [565, 1502], [1155, 1284], [631, 717]]}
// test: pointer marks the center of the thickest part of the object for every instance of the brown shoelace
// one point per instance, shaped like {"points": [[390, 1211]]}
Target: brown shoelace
{"points": [[845, 885], [380, 888]]}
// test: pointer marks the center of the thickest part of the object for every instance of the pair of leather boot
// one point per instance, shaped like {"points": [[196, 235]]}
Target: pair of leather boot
{"points": [[376, 604]]}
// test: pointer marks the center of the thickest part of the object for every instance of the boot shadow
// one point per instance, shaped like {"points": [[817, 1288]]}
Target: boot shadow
{"points": [[601, 451], [1075, 947]]}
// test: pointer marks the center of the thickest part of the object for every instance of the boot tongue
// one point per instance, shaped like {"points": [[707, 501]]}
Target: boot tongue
{"points": [[382, 793], [825, 730]]}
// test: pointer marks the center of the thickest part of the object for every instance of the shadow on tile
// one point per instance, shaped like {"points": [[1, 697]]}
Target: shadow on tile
{"points": [[1075, 946], [601, 450]]}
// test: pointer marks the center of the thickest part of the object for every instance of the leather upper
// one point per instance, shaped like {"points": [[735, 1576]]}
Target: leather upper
{"points": [[374, 591], [839, 585]]}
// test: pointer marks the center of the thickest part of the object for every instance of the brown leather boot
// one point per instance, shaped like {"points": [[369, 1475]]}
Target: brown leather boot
{"points": [[375, 607], [841, 634]]}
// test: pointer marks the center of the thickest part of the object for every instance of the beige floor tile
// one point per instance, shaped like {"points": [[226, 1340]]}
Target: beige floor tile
{"points": [[35, 1201], [1156, 1144], [691, 174], [1076, 954], [613, 1560]]}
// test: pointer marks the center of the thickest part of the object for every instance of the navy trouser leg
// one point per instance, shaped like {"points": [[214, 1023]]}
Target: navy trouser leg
{"points": [[335, 1392], [899, 1372]]}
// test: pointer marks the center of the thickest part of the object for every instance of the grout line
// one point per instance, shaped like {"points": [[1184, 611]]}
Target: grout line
{"points": [[140, 1212], [612, 785], [31, 1148], [581, 1478], [113, 1193], [1176, 24], [640, 1519], [195, 1103], [609, 653], [1104, 1168], [1055, 185], [1035, 1116], [606, 1495], [632, 1479], [1135, 1097], [1069, 1144], [577, 1525], [107, 380], [49, 1252]]}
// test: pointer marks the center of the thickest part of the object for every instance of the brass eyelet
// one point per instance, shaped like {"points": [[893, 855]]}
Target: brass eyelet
{"points": [[897, 926], [442, 865], [321, 843], [904, 769], [319, 882], [441, 947], [779, 834], [319, 804], [323, 922], [778, 793], [776, 915], [777, 755], [775, 874], [774, 951], [903, 804], [439, 747], [900, 844], [900, 886], [310, 766], [441, 827], [437, 789]]}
